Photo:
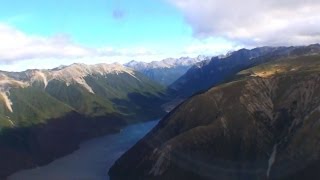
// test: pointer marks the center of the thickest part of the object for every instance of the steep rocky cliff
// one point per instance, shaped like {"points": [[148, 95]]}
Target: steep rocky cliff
{"points": [[263, 124]]}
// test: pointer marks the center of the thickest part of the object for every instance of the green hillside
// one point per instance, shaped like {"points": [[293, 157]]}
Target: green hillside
{"points": [[47, 114], [32, 106]]}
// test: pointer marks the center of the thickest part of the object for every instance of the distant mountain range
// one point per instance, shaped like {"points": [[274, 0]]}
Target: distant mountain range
{"points": [[205, 74], [166, 71], [249, 112], [46, 113], [257, 119]]}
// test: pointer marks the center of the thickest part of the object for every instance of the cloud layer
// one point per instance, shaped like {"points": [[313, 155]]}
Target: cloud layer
{"points": [[20, 51], [254, 22], [18, 46]]}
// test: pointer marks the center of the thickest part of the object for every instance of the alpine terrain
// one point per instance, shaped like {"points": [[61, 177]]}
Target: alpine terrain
{"points": [[262, 123], [166, 71], [219, 69], [45, 114]]}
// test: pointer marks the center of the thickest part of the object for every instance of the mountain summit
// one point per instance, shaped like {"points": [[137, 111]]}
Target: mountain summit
{"points": [[167, 70], [206, 74], [45, 114], [263, 123]]}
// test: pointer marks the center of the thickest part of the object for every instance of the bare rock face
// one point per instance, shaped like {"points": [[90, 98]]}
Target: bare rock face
{"points": [[263, 124], [45, 114]]}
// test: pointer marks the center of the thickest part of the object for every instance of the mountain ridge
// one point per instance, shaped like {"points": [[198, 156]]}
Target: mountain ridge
{"points": [[165, 71], [206, 74], [45, 114], [261, 124]]}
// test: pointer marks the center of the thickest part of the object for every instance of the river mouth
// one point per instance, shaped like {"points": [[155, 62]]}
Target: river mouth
{"points": [[92, 160]]}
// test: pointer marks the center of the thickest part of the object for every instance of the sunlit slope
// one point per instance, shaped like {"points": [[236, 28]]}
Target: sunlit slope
{"points": [[31, 106], [262, 124], [206, 74], [95, 91], [45, 114]]}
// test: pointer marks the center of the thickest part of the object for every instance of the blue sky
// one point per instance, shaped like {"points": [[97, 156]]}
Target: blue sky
{"points": [[154, 27], [45, 34], [95, 22]]}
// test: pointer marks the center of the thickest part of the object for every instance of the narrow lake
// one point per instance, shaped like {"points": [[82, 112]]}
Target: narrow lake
{"points": [[92, 161]]}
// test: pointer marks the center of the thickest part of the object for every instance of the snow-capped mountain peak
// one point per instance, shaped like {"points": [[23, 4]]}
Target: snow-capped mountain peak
{"points": [[167, 70], [166, 63]]}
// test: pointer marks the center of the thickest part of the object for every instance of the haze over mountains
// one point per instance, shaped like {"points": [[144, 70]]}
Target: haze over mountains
{"points": [[166, 71]]}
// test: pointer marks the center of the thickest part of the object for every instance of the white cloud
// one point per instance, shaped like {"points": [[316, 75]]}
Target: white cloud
{"points": [[210, 47], [15, 46], [254, 22], [19, 51]]}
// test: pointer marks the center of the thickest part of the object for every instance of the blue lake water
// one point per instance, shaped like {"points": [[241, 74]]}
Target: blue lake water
{"points": [[92, 160]]}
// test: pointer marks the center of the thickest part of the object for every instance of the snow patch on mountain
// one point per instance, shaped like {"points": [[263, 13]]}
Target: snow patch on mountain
{"points": [[167, 70], [166, 63]]}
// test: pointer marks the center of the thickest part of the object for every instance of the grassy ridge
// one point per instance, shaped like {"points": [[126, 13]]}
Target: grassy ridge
{"points": [[123, 94], [49, 122], [32, 106]]}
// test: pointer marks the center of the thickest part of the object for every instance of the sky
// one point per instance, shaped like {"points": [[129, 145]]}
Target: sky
{"points": [[48, 33]]}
